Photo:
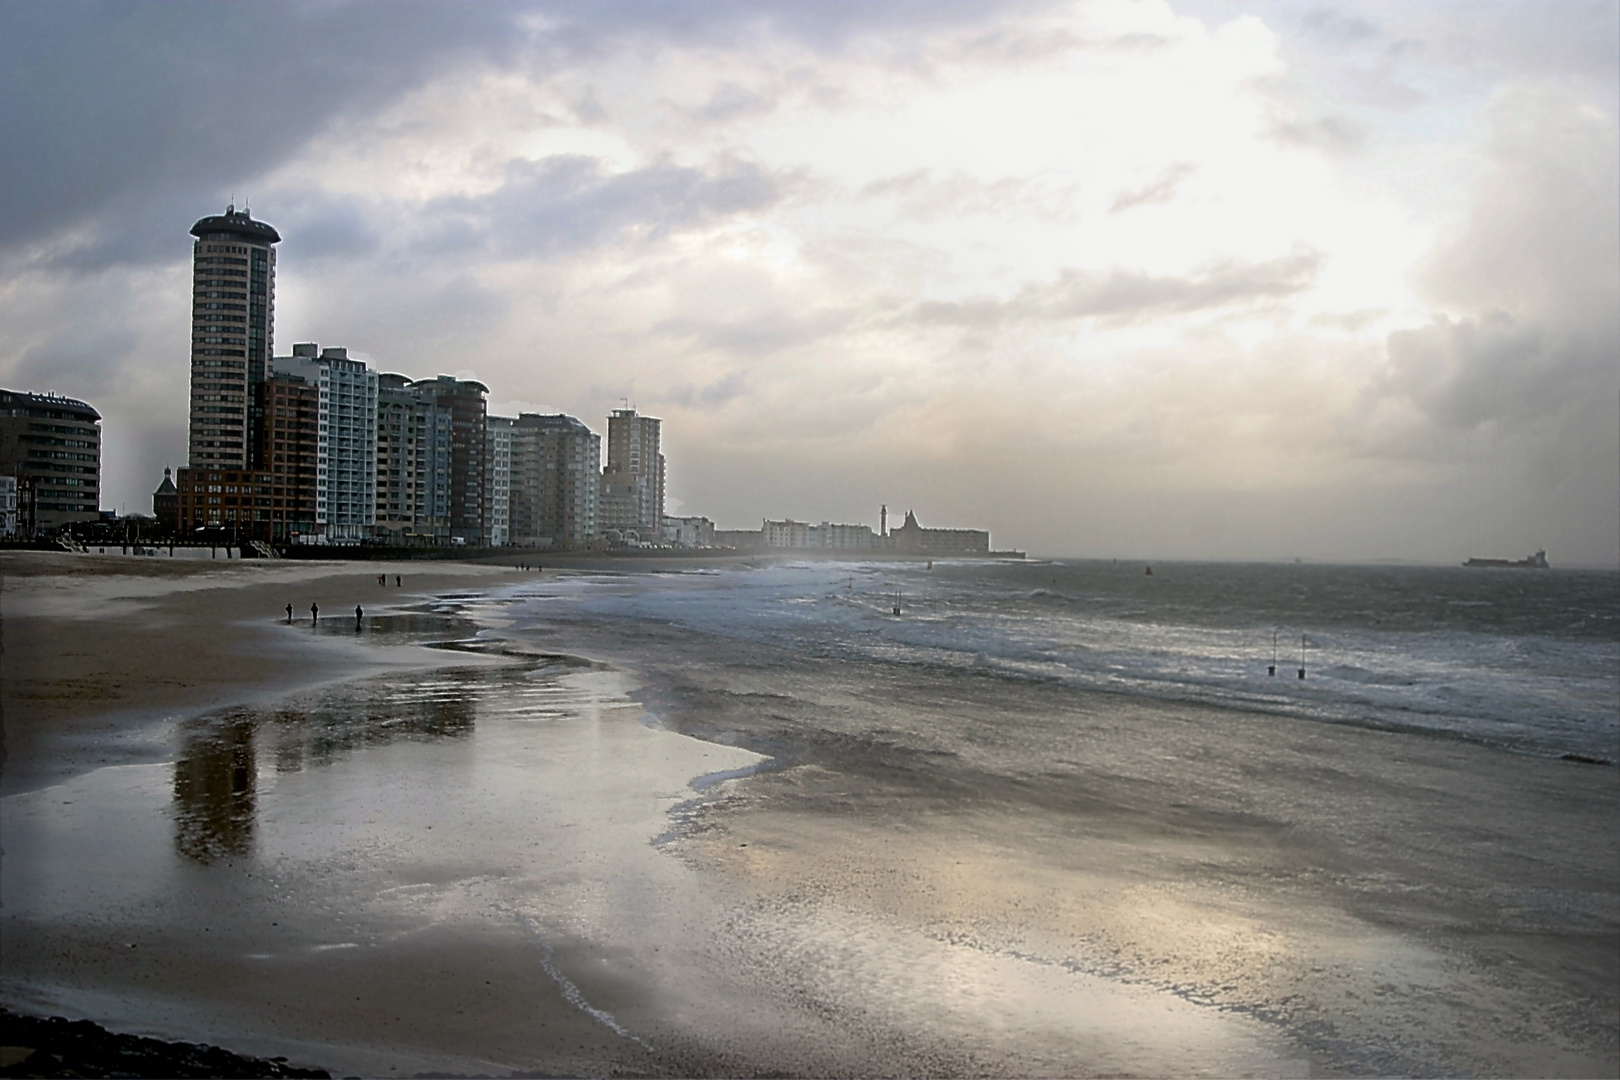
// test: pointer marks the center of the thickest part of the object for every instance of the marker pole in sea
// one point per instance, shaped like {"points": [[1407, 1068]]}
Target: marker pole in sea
{"points": [[1272, 670], [1302, 656]]}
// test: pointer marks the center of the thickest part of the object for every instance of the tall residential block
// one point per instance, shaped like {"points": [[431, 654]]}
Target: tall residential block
{"points": [[555, 481], [52, 446], [433, 470], [498, 480], [465, 402], [232, 326], [633, 477], [346, 440], [399, 426], [292, 424]]}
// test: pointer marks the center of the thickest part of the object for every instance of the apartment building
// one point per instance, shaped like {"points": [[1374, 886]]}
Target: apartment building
{"points": [[346, 440], [632, 485], [232, 327], [498, 479], [555, 486], [464, 401], [52, 446]]}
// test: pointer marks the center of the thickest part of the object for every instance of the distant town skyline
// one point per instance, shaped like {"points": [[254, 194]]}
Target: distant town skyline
{"points": [[1178, 280]]}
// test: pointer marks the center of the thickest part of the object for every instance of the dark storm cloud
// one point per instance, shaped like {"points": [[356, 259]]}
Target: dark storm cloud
{"points": [[317, 226], [570, 202], [131, 117], [87, 357], [1123, 295], [118, 120], [1492, 369]]}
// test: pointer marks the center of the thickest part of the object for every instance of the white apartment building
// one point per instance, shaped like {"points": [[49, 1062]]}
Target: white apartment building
{"points": [[802, 535], [498, 479], [346, 460], [845, 537], [785, 534]]}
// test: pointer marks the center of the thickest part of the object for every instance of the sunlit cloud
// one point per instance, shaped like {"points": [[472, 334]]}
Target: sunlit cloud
{"points": [[1049, 268]]}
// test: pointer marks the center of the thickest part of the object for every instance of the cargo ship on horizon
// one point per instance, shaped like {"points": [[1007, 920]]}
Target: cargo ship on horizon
{"points": [[1538, 561]]}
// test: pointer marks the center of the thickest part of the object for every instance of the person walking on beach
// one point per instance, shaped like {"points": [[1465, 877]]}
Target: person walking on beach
{"points": [[358, 615], [314, 613], [396, 581], [289, 614], [382, 579]]}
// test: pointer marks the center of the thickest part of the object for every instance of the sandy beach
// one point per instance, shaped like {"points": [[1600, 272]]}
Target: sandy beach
{"points": [[569, 845], [98, 647]]}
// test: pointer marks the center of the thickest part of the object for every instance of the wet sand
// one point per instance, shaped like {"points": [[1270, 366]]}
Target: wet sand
{"points": [[1385, 905], [526, 855], [100, 651]]}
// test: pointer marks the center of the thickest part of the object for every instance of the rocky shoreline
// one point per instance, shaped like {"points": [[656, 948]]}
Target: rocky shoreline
{"points": [[33, 1046]]}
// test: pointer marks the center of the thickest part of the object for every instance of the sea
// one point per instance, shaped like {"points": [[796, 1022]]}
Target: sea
{"points": [[1524, 661]]}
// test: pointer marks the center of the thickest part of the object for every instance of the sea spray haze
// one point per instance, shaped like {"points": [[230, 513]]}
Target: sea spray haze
{"points": [[1517, 660]]}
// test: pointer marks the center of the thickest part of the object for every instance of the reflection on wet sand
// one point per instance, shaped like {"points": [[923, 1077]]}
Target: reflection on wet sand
{"points": [[216, 773], [214, 784]]}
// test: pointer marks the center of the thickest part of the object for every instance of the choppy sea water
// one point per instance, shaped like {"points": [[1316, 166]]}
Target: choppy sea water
{"points": [[1521, 660]]}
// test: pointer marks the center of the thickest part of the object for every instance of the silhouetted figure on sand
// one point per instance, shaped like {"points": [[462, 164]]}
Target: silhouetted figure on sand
{"points": [[314, 613], [289, 614]]}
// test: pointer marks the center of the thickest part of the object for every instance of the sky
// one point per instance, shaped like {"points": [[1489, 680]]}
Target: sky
{"points": [[1127, 278]]}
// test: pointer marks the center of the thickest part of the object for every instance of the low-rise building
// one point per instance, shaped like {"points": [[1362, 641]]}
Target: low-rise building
{"points": [[166, 505], [689, 532], [236, 502], [785, 534], [739, 539], [8, 506], [913, 539]]}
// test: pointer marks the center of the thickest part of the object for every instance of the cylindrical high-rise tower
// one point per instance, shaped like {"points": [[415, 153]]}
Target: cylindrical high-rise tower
{"points": [[232, 319]]}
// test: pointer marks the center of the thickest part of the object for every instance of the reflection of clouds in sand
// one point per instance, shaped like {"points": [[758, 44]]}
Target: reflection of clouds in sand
{"points": [[881, 980], [403, 827], [1138, 953]]}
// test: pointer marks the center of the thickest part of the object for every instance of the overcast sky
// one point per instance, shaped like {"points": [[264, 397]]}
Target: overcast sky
{"points": [[1139, 279]]}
